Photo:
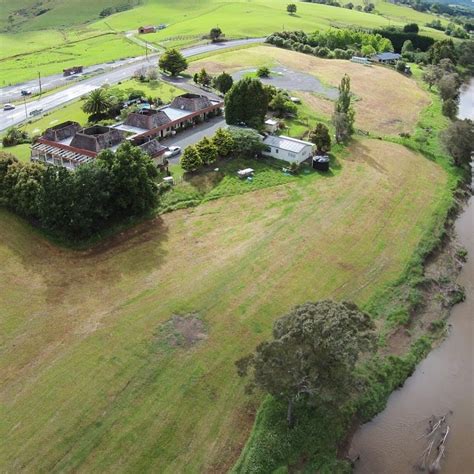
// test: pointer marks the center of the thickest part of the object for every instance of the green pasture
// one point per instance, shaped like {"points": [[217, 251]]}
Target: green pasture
{"points": [[56, 32]]}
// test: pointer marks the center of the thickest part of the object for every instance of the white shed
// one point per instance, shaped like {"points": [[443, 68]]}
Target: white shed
{"points": [[271, 125], [288, 149]]}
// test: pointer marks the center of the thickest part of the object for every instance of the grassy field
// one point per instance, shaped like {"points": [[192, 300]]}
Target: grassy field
{"points": [[94, 373], [54, 59], [380, 107], [187, 21]]}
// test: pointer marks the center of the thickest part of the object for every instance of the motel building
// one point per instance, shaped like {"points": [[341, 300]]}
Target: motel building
{"points": [[70, 145]]}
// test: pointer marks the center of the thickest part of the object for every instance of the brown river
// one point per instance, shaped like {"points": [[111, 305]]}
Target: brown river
{"points": [[442, 383]]}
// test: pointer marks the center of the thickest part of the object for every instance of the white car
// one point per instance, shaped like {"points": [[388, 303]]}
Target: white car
{"points": [[8, 107], [172, 151]]}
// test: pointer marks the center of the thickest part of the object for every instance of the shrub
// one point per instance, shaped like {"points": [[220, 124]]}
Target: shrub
{"points": [[191, 160]]}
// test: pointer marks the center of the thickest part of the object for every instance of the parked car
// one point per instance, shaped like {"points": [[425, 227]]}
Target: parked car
{"points": [[8, 107], [36, 112], [25, 92], [172, 151]]}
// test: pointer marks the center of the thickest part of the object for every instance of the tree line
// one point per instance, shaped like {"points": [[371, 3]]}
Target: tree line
{"points": [[225, 143], [76, 205], [332, 44]]}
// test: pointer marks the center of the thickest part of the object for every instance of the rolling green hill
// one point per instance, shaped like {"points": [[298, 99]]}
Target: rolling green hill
{"points": [[54, 27]]}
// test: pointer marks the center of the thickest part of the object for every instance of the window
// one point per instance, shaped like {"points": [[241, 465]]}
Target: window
{"points": [[276, 150]]}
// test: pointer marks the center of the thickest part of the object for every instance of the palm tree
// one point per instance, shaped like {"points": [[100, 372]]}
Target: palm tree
{"points": [[98, 102]]}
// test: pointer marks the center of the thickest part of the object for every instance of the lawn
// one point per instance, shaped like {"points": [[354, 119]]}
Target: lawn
{"points": [[92, 382], [380, 106]]}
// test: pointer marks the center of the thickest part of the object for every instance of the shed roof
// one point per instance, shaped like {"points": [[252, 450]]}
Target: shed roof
{"points": [[388, 56], [286, 143]]}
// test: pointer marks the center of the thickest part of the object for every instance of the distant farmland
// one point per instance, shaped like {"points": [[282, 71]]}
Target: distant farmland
{"points": [[66, 22]]}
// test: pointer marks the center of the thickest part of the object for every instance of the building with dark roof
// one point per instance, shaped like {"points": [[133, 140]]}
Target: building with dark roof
{"points": [[386, 58], [147, 119], [191, 102], [184, 111], [70, 145]]}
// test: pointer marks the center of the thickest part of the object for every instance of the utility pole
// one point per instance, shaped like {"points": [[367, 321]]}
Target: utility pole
{"points": [[146, 50], [26, 110], [39, 81]]}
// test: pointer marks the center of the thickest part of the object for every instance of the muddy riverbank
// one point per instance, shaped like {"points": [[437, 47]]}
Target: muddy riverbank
{"points": [[393, 442]]}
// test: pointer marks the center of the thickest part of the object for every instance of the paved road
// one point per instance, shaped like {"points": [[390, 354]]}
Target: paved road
{"points": [[120, 73]]}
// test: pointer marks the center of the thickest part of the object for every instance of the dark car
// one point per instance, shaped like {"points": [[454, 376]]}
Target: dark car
{"points": [[25, 92]]}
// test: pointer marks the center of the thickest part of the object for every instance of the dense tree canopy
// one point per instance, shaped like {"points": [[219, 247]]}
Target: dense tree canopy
{"points": [[321, 138], [458, 140], [282, 105], [312, 354], [223, 82], [215, 33], [246, 103], [77, 204], [173, 62], [291, 8]]}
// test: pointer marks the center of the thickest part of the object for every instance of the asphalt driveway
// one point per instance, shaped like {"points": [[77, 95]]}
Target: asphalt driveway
{"points": [[193, 135]]}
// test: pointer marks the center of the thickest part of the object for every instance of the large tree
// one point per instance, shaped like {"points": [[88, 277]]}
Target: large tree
{"points": [[173, 62], [312, 355], [291, 8], [448, 86], [246, 103], [282, 105], [343, 118], [215, 34], [98, 103], [24, 181], [133, 179], [321, 138], [247, 143], [458, 140], [441, 50], [223, 82]]}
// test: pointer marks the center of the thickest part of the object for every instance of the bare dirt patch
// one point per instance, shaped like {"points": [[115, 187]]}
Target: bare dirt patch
{"points": [[183, 331]]}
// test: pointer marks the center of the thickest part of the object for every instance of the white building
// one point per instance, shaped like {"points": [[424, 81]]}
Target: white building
{"points": [[271, 125], [288, 149]]}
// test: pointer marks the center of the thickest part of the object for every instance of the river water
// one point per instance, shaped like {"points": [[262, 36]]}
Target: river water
{"points": [[443, 382]]}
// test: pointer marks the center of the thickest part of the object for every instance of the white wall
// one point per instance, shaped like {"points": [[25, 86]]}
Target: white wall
{"points": [[288, 156]]}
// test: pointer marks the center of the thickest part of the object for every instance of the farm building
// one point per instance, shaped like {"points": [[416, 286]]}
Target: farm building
{"points": [[360, 60], [146, 29], [386, 58], [70, 145], [184, 111], [288, 149]]}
